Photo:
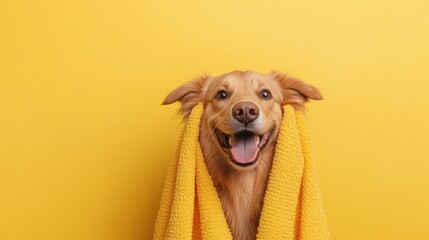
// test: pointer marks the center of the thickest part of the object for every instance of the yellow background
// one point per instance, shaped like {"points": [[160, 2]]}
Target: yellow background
{"points": [[85, 143]]}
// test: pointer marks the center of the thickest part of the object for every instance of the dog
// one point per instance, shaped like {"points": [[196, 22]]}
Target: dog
{"points": [[239, 128]]}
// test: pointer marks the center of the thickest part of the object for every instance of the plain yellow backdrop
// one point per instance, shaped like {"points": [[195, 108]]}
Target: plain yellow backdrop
{"points": [[85, 143]]}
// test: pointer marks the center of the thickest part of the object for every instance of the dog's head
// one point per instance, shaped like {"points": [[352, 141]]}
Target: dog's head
{"points": [[242, 110]]}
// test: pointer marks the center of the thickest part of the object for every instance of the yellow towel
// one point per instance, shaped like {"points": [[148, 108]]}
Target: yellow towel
{"points": [[292, 209]]}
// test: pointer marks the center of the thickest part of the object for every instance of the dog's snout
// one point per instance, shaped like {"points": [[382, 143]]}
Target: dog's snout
{"points": [[245, 112]]}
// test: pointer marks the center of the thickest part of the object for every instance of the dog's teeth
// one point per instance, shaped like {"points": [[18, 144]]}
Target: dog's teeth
{"points": [[230, 140], [257, 140]]}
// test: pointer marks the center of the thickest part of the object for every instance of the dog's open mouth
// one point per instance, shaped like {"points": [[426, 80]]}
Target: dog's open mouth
{"points": [[244, 146]]}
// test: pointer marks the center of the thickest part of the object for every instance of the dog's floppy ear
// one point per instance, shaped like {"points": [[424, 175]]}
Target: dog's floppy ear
{"points": [[296, 92], [189, 94]]}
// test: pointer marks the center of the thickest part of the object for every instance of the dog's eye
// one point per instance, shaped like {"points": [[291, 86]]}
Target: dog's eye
{"points": [[265, 94], [222, 95]]}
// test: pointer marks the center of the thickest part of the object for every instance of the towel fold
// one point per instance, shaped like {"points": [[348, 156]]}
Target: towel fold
{"points": [[191, 209]]}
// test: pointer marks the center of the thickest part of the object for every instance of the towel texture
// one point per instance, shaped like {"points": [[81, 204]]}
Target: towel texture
{"points": [[191, 209]]}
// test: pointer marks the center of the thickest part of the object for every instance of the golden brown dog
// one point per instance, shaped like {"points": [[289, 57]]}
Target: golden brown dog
{"points": [[239, 127]]}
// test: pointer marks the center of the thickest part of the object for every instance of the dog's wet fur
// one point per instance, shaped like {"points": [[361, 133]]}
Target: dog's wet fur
{"points": [[239, 128]]}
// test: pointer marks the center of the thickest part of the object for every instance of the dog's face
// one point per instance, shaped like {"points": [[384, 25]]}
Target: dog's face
{"points": [[242, 110]]}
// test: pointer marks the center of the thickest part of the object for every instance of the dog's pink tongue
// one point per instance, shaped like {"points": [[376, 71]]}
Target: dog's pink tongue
{"points": [[245, 149]]}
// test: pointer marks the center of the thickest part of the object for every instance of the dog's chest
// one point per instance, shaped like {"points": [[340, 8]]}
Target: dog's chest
{"points": [[241, 201]]}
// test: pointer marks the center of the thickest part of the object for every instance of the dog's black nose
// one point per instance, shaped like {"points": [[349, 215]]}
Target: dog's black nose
{"points": [[245, 112]]}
